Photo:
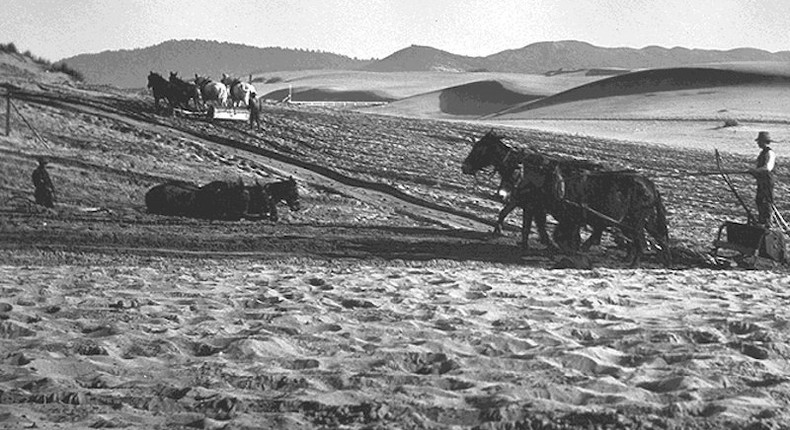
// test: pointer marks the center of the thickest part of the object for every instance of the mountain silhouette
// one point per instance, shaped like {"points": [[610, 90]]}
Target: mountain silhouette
{"points": [[129, 68]]}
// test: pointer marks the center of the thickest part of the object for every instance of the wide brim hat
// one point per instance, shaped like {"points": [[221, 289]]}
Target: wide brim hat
{"points": [[763, 136]]}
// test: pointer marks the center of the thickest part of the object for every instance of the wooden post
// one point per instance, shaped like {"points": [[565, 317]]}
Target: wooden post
{"points": [[8, 113]]}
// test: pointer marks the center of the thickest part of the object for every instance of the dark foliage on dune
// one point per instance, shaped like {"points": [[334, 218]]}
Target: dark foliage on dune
{"points": [[655, 80], [480, 98]]}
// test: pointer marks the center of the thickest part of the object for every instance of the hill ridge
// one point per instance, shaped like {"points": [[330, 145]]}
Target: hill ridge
{"points": [[128, 68]]}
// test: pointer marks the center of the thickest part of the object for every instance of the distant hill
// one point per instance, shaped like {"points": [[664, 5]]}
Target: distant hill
{"points": [[554, 57], [547, 56], [425, 59], [129, 68]]}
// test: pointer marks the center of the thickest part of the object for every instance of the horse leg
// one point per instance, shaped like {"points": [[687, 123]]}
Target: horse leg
{"points": [[539, 217], [500, 222], [594, 239], [527, 214], [638, 241], [273, 213]]}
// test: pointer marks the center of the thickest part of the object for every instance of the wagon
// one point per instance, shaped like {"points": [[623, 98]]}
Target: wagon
{"points": [[212, 113], [238, 114]]}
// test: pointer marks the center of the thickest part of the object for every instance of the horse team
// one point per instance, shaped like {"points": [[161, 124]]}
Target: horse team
{"points": [[576, 193], [178, 93]]}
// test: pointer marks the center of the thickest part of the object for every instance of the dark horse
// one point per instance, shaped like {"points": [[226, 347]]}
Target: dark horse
{"points": [[172, 198], [226, 200], [264, 198], [162, 89], [187, 90], [215, 200], [490, 150], [576, 197]]}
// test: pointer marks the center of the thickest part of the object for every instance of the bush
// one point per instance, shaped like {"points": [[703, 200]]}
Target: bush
{"points": [[9, 48], [64, 68], [731, 122]]}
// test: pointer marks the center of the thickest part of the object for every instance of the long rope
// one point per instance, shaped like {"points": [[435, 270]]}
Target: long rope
{"points": [[28, 124]]}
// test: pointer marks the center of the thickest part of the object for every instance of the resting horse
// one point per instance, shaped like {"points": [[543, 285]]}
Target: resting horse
{"points": [[490, 150], [225, 200], [215, 200], [172, 198], [601, 199], [239, 91], [264, 198], [188, 90], [214, 92]]}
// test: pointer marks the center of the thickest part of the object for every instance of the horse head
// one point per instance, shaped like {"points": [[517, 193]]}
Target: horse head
{"points": [[291, 194], [484, 153], [152, 78]]}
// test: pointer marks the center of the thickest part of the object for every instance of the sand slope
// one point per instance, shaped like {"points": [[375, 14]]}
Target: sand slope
{"points": [[749, 92]]}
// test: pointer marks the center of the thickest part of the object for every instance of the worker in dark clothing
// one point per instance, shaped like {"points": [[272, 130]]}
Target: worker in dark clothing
{"points": [[255, 112], [763, 172], [45, 191]]}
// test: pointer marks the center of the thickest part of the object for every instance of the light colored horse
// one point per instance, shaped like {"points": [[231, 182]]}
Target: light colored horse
{"points": [[215, 93], [239, 91]]}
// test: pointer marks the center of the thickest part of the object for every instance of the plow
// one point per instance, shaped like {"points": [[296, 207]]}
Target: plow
{"points": [[746, 243]]}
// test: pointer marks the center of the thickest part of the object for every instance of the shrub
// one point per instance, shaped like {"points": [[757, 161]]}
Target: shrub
{"points": [[731, 122], [9, 48], [64, 68]]}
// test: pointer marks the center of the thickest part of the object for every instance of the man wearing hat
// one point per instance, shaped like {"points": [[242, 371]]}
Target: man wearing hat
{"points": [[763, 172], [255, 112], [45, 191]]}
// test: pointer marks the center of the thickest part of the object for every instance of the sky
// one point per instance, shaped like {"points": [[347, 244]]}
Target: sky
{"points": [[57, 29]]}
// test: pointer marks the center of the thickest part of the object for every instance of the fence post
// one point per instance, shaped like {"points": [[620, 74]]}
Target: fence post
{"points": [[8, 113]]}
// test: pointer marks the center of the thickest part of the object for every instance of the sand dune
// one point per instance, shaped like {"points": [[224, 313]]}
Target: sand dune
{"points": [[401, 85], [468, 100], [661, 92]]}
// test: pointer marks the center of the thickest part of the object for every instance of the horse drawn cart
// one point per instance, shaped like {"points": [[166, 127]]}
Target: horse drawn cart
{"points": [[216, 113]]}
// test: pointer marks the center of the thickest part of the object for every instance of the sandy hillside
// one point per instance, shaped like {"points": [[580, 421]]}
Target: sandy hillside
{"points": [[353, 85], [683, 107], [382, 303], [720, 106]]}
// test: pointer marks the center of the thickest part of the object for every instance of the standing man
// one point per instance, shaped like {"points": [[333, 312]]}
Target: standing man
{"points": [[45, 191], [763, 172], [255, 112]]}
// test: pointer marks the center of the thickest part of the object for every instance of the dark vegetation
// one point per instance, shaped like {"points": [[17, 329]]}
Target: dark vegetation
{"points": [[61, 67]]}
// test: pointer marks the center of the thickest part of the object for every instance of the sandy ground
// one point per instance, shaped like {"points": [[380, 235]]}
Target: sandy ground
{"points": [[356, 312], [154, 343]]}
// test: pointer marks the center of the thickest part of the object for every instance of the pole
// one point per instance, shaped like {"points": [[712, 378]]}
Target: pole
{"points": [[8, 113], [749, 217]]}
